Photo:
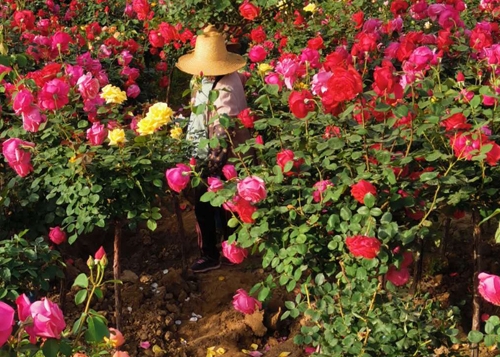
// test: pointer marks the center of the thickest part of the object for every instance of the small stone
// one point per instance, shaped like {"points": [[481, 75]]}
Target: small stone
{"points": [[154, 286], [129, 309], [165, 271], [178, 322], [193, 319], [129, 276], [145, 279]]}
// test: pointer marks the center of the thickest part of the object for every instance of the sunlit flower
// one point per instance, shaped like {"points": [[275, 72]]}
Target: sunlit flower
{"points": [[264, 68], [116, 137], [176, 132], [158, 115], [113, 94], [310, 8]]}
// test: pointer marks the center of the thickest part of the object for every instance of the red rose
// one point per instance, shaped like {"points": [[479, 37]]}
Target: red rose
{"points": [[344, 84], [404, 50], [283, 157], [360, 189], [399, 7], [363, 246], [244, 208], [301, 103], [396, 276], [258, 35], [248, 10], [315, 43], [367, 42], [456, 121], [480, 39], [358, 18], [247, 118], [24, 19], [156, 39]]}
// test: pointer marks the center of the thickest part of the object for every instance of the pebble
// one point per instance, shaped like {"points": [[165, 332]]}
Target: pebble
{"points": [[193, 319], [154, 286], [129, 309], [165, 271], [178, 322]]}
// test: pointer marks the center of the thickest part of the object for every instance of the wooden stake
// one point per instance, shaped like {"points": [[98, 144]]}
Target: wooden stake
{"points": [[117, 273], [180, 226], [476, 299]]}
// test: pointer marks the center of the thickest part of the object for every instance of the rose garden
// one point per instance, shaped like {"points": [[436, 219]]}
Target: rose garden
{"points": [[372, 190]]}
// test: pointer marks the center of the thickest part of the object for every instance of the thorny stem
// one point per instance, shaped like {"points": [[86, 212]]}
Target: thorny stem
{"points": [[372, 304]]}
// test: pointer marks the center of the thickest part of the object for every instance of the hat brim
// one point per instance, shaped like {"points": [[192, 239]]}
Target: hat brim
{"points": [[195, 66]]}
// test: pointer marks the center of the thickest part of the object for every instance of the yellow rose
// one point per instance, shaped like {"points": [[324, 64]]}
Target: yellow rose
{"points": [[310, 8], [264, 68], [116, 137], [146, 126], [161, 113], [113, 94], [176, 133]]}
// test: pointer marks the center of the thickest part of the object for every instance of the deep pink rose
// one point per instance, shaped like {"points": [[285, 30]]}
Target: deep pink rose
{"points": [[398, 277], [489, 288], [6, 322], [60, 42], [32, 119], [257, 53], [319, 188], [233, 252], [215, 184], [133, 91], [97, 134], [54, 95], [56, 235], [23, 101], [252, 189], [229, 172], [23, 307], [363, 246], [360, 189], [259, 140], [178, 177], [48, 320], [88, 86], [274, 78], [18, 158], [125, 58], [100, 253], [244, 303]]}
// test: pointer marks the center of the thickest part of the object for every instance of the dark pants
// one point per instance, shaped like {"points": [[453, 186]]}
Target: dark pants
{"points": [[207, 217]]}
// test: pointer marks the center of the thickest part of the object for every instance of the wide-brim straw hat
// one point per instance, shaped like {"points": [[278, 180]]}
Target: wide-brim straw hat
{"points": [[210, 56]]}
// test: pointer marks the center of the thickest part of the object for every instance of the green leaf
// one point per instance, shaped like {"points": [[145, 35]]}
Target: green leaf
{"points": [[96, 330], [98, 293], [50, 347], [319, 279], [426, 176], [151, 223], [264, 293], [81, 281], [475, 336], [80, 297], [369, 200]]}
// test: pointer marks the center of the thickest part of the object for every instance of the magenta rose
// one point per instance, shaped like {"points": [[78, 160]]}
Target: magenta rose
{"points": [[23, 313], [319, 188], [257, 53], [229, 172], [88, 86], [233, 252], [178, 177], [54, 95], [489, 288], [252, 189], [363, 246], [56, 235], [6, 322], [23, 101], [133, 91], [18, 158], [244, 303], [32, 118], [48, 320], [360, 189], [215, 184], [97, 134]]}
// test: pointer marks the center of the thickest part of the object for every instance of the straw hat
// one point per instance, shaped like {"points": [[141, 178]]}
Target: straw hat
{"points": [[210, 56]]}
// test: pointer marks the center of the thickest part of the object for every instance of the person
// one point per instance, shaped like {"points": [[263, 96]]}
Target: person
{"points": [[213, 68]]}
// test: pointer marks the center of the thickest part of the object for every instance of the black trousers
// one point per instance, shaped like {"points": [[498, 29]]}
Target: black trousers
{"points": [[209, 218]]}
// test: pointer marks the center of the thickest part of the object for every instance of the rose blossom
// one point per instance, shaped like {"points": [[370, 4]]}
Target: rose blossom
{"points": [[32, 119], [397, 276], [116, 338], [489, 288], [360, 189], [233, 252], [248, 10], [244, 208], [88, 86], [257, 53], [18, 158], [244, 303], [6, 322], [23, 101], [97, 134], [133, 91], [301, 103], [100, 254], [252, 189], [247, 118], [178, 177], [229, 172], [215, 184], [319, 188], [54, 95], [48, 320], [56, 235], [363, 246]]}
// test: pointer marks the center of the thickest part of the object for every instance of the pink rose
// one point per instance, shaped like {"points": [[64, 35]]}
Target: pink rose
{"points": [[252, 189], [100, 253], [178, 177], [56, 235], [121, 354], [233, 252], [32, 118], [133, 91], [97, 134], [215, 184], [398, 277], [363, 246], [229, 172], [48, 320], [274, 78], [54, 95], [319, 188], [17, 157], [360, 189], [88, 86], [257, 53], [244, 303], [116, 338], [60, 42], [6, 322], [125, 58], [259, 140], [23, 101], [489, 288]]}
